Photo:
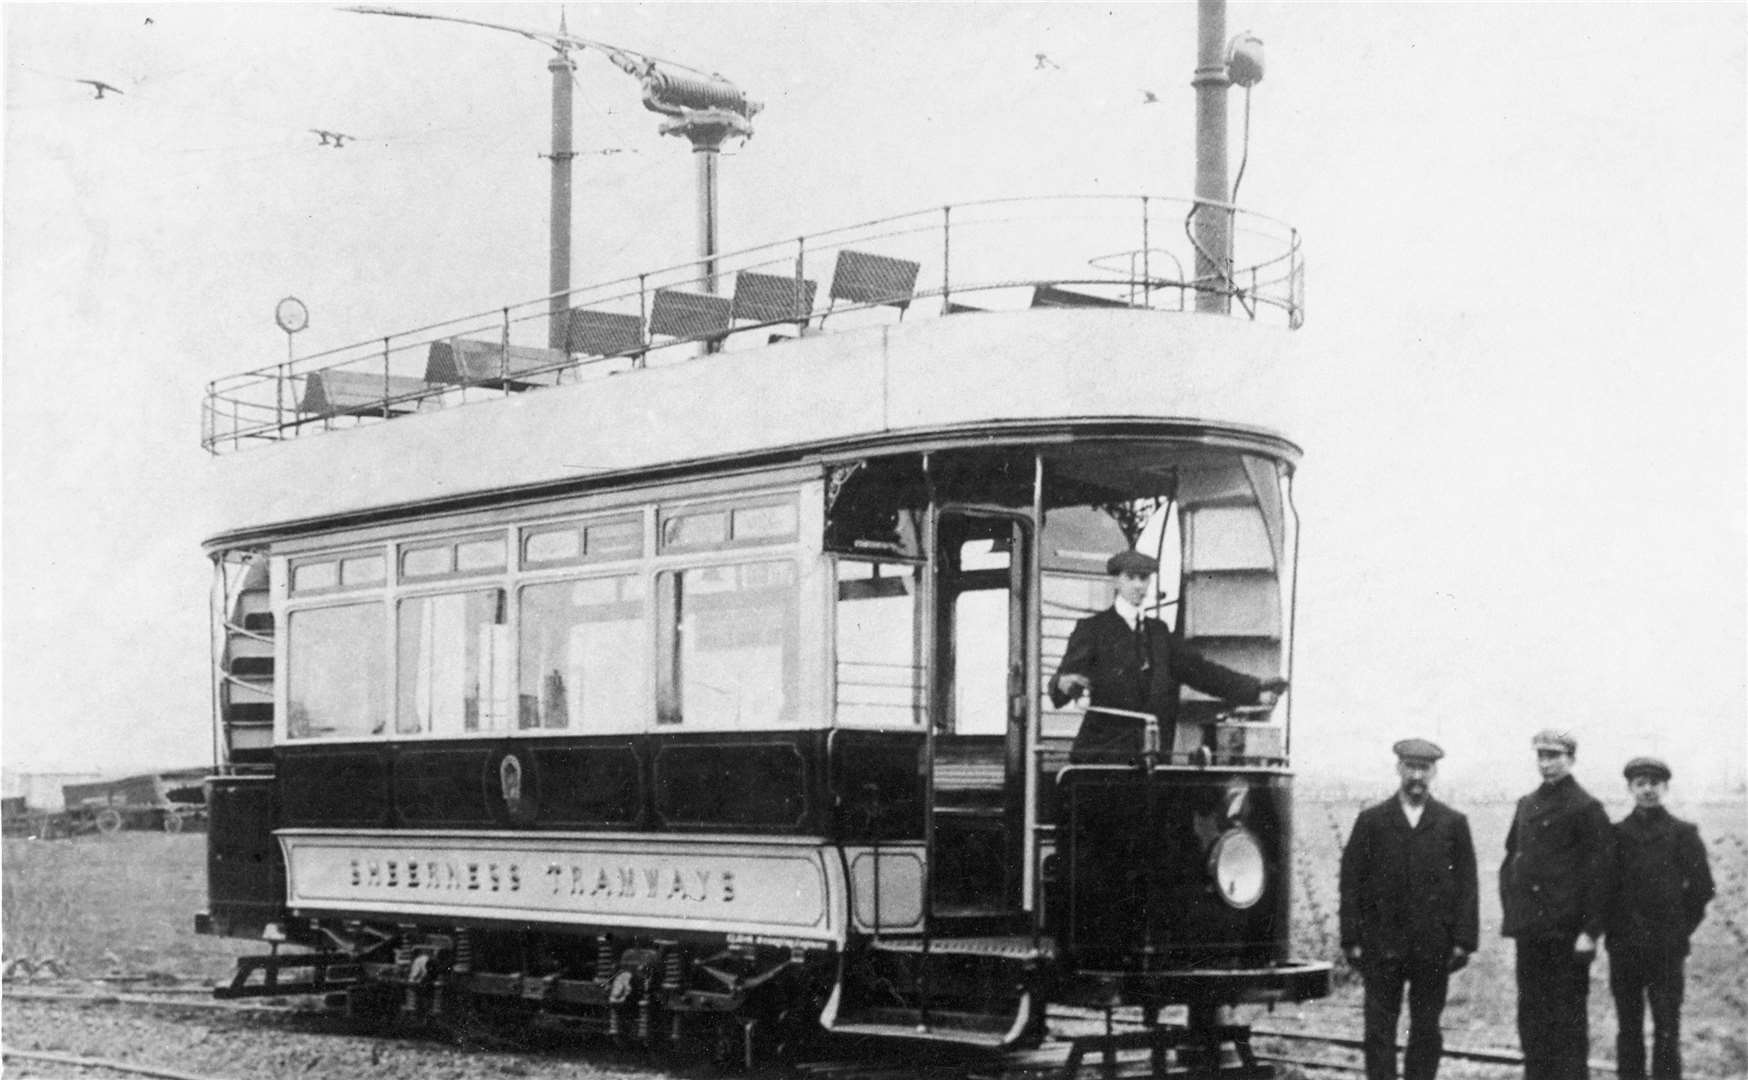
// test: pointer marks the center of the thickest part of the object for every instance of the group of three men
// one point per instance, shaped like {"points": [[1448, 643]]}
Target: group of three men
{"points": [[1409, 907], [1409, 913]]}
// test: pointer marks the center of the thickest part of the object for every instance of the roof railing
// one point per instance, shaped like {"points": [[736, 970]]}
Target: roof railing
{"points": [[1005, 254]]}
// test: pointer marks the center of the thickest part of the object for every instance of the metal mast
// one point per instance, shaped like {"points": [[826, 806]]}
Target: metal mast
{"points": [[562, 67], [1212, 228]]}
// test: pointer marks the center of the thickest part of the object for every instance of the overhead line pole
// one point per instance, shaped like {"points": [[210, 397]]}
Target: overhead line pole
{"points": [[1213, 224], [563, 69]]}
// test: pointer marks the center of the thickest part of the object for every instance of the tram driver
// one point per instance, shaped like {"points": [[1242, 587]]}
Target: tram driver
{"points": [[1126, 659]]}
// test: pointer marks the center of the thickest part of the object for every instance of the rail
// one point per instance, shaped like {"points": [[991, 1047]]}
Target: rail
{"points": [[1083, 251]]}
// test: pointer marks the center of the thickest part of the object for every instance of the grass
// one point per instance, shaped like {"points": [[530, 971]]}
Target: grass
{"points": [[96, 906], [1482, 1009]]}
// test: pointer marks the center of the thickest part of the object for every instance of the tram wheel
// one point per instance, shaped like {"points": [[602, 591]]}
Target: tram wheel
{"points": [[109, 821], [172, 823]]}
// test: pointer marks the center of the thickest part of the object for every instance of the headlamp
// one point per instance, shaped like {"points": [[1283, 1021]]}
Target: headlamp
{"points": [[1237, 866]]}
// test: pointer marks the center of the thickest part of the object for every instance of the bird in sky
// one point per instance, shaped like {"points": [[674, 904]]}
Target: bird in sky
{"points": [[1148, 97], [99, 86], [1044, 61], [338, 138]]}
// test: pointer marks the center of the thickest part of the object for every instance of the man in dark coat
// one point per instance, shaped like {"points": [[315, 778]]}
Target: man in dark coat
{"points": [[1410, 912], [1129, 660], [1554, 889], [1662, 885]]}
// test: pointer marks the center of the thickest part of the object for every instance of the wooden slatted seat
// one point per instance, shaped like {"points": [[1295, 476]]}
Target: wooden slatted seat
{"points": [[763, 298], [465, 362], [360, 393], [603, 333], [862, 278], [688, 315]]}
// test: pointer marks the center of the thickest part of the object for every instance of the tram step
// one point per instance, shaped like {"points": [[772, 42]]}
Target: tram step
{"points": [[985, 1030]]}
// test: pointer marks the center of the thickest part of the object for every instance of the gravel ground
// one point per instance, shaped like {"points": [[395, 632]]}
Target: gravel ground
{"points": [[253, 1046]]}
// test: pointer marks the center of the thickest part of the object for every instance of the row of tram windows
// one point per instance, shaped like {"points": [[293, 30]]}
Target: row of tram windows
{"points": [[754, 615], [460, 643]]}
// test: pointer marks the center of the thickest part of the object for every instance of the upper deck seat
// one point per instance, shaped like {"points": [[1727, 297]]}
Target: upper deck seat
{"points": [[604, 333], [862, 278], [768, 298], [332, 392], [689, 315], [465, 362], [1054, 296]]}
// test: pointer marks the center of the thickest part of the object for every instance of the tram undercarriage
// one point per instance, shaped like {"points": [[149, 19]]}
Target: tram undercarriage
{"points": [[746, 1004]]}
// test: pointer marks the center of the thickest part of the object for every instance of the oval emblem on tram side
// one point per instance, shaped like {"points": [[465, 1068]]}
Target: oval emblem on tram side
{"points": [[510, 781], [518, 788]]}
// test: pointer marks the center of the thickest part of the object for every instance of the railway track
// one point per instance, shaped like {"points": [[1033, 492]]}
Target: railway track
{"points": [[836, 1059]]}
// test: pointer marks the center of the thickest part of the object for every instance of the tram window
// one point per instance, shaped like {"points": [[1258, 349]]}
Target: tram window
{"points": [[337, 670], [552, 545], [309, 577], [615, 540], [728, 646], [454, 664], [1228, 538], [695, 530], [776, 522], [580, 666], [980, 662], [486, 554], [879, 673], [427, 561], [363, 570], [573, 542]]}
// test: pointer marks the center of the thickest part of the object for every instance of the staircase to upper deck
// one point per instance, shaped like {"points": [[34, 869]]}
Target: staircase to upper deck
{"points": [[245, 868], [245, 676]]}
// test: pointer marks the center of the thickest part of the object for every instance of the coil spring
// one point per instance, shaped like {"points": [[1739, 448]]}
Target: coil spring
{"points": [[603, 958], [463, 951], [673, 970]]}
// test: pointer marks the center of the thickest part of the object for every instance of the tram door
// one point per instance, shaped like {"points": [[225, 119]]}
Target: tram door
{"points": [[979, 709]]}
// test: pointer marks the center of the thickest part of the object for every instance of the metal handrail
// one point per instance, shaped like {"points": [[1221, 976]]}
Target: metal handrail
{"points": [[986, 250]]}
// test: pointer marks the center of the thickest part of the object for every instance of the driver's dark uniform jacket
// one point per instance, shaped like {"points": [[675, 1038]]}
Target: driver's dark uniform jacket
{"points": [[1138, 669]]}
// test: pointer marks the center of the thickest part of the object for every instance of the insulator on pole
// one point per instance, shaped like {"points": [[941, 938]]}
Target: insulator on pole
{"points": [[669, 92]]}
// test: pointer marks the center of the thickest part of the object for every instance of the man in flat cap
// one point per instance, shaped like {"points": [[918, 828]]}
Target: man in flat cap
{"points": [[1554, 888], [1410, 911], [1126, 659], [1662, 885]]}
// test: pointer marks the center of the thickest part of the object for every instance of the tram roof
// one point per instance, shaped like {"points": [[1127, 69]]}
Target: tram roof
{"points": [[1020, 376], [955, 322]]}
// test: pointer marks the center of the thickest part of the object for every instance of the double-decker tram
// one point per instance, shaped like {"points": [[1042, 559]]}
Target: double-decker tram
{"points": [[690, 679]]}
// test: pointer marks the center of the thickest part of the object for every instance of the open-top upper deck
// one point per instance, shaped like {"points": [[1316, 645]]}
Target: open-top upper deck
{"points": [[1017, 311]]}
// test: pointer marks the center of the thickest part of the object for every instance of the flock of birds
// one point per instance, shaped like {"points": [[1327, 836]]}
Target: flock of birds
{"points": [[338, 139], [1044, 63]]}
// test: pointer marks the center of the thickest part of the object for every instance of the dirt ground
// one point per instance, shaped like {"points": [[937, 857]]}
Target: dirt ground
{"points": [[122, 908]]}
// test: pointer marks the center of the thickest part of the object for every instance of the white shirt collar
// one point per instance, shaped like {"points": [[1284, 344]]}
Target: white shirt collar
{"points": [[1129, 611], [1410, 811]]}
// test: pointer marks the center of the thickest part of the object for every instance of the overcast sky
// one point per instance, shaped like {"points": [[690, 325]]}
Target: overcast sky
{"points": [[1522, 498]]}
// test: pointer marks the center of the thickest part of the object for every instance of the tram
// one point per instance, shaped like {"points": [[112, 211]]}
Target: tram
{"points": [[675, 660]]}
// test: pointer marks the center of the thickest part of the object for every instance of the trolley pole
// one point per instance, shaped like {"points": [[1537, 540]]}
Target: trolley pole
{"points": [[562, 67], [1213, 226], [707, 130]]}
